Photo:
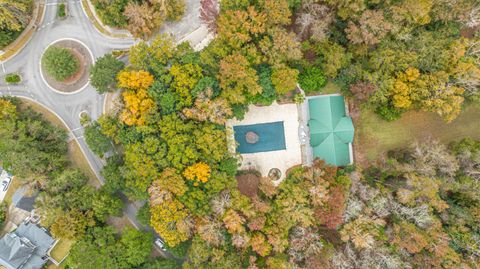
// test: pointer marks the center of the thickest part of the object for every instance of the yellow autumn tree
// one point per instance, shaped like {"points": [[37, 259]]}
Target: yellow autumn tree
{"points": [[403, 88], [138, 103], [260, 244], [171, 221], [429, 92], [199, 172], [234, 222], [134, 80], [7, 109]]}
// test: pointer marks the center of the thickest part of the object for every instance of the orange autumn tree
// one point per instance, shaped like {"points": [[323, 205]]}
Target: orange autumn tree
{"points": [[199, 172], [137, 101]]}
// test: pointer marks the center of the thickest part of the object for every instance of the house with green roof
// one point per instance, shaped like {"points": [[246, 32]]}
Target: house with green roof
{"points": [[331, 129]]}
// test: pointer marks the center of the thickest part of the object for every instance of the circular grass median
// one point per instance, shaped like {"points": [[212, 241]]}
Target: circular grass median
{"points": [[65, 65], [60, 63]]}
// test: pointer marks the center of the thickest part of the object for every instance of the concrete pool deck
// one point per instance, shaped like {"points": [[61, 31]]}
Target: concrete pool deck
{"points": [[281, 159]]}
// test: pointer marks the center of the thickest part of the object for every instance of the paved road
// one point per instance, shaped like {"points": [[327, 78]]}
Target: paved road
{"points": [[69, 106]]}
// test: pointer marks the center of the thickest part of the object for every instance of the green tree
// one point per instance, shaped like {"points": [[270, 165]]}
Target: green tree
{"points": [[137, 246], [106, 204], [31, 147], [143, 214], [68, 180], [162, 264], [96, 140], [60, 63], [111, 12], [103, 74], [101, 247], [98, 249], [114, 180], [3, 213]]}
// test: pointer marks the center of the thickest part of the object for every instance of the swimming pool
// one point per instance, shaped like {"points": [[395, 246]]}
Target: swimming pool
{"points": [[268, 137]]}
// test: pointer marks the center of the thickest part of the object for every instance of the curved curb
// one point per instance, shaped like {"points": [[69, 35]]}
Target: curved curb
{"points": [[41, 73], [104, 106], [44, 7], [69, 131], [109, 35]]}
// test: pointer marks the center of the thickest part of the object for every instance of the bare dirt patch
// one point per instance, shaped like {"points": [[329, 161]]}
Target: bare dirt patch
{"points": [[81, 77], [469, 32], [247, 183]]}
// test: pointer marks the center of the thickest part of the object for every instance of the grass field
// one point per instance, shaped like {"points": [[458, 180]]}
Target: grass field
{"points": [[61, 249], [374, 137]]}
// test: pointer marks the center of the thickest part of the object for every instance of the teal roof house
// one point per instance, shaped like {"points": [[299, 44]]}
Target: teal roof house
{"points": [[331, 130]]}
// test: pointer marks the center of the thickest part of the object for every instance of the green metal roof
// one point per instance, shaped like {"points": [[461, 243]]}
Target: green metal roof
{"points": [[331, 130]]}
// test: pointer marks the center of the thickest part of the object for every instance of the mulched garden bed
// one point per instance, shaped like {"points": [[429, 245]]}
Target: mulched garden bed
{"points": [[247, 182]]}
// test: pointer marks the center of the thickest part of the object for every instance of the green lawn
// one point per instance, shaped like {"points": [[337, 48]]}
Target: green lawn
{"points": [[61, 249], [374, 136]]}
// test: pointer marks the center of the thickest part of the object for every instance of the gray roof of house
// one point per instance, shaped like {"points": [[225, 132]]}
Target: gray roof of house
{"points": [[21, 200], [14, 252], [25, 247]]}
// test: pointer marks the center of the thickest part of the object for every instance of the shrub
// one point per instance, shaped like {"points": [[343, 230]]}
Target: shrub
{"points": [[12, 78], [7, 37], [389, 113], [312, 79], [60, 63], [61, 10], [3, 213]]}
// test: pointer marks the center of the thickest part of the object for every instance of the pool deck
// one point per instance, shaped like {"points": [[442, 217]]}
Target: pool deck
{"points": [[281, 159]]}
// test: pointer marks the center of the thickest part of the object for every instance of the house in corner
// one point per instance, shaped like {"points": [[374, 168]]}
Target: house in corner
{"points": [[25, 248]]}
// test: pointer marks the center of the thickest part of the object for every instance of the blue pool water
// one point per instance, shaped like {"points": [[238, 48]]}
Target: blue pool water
{"points": [[271, 137]]}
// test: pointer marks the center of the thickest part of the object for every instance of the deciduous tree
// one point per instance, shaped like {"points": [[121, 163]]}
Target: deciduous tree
{"points": [[72, 224], [199, 173], [237, 79], [143, 19], [170, 220], [14, 14]]}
